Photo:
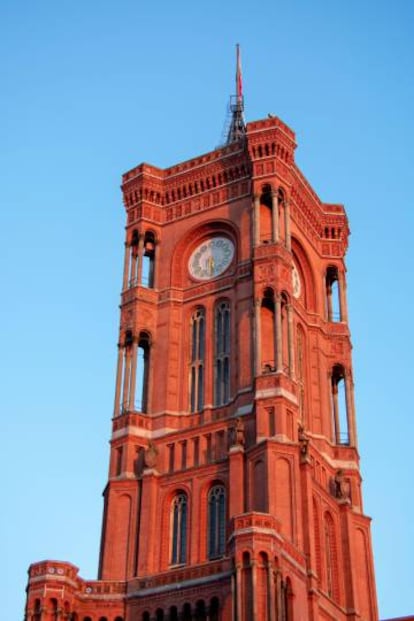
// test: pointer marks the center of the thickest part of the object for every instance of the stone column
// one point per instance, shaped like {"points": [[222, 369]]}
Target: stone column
{"points": [[329, 309], [258, 338], [271, 592], [291, 343], [342, 296], [238, 592], [287, 225], [350, 410], [118, 379], [236, 473], [254, 589], [127, 377], [256, 219], [278, 334], [133, 266], [127, 259], [234, 616], [335, 405], [275, 218], [153, 266], [133, 376]]}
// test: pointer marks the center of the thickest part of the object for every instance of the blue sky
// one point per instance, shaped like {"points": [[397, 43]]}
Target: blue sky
{"points": [[90, 89]]}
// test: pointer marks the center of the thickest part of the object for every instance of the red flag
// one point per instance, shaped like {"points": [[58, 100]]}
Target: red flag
{"points": [[239, 84]]}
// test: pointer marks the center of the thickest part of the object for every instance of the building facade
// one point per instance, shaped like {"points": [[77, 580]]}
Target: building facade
{"points": [[234, 489]]}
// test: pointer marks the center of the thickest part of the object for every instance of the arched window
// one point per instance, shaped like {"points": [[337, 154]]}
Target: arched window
{"points": [[197, 360], [339, 405], [333, 308], [133, 258], [179, 529], [267, 317], [148, 260], [142, 373], [222, 354], [173, 616], [37, 610], [200, 611], [285, 332], [247, 586], [262, 585], [214, 609], [186, 614], [266, 217], [216, 521], [286, 600]]}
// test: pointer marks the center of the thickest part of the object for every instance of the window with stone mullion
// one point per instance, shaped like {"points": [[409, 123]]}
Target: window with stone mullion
{"points": [[197, 360], [222, 354], [179, 530], [216, 521]]}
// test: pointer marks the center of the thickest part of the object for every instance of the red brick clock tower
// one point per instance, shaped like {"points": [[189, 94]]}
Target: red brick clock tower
{"points": [[234, 490]]}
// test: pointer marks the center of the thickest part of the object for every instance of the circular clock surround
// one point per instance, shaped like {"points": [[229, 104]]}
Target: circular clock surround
{"points": [[296, 284], [211, 258]]}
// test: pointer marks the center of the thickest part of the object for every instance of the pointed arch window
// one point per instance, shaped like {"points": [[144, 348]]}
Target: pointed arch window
{"points": [[216, 521], [179, 529], [197, 360], [222, 354]]}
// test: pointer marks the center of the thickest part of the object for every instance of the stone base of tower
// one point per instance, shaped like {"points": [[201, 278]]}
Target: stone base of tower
{"points": [[249, 587]]}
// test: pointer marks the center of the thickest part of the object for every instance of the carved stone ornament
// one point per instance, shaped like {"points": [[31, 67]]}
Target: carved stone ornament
{"points": [[238, 433], [342, 487], [303, 442], [150, 455]]}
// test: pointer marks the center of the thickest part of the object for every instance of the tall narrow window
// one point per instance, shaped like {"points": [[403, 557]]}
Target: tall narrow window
{"points": [[179, 529], [222, 351], [134, 259], [339, 405], [197, 360], [285, 332], [333, 309], [266, 220], [267, 317], [216, 521], [142, 374], [148, 261]]}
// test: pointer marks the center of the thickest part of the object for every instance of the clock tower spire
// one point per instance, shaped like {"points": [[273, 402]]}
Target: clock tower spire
{"points": [[237, 127]]}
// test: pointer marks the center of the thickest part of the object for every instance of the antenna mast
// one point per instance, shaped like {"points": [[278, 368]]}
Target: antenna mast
{"points": [[237, 127]]}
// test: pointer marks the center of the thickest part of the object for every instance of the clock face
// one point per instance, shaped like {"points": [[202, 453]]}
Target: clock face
{"points": [[296, 287], [211, 258]]}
